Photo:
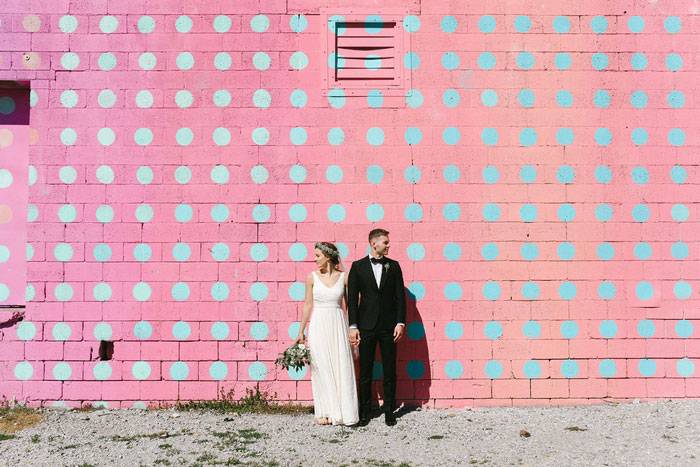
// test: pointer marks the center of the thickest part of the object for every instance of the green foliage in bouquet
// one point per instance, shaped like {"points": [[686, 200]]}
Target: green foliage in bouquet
{"points": [[296, 356]]}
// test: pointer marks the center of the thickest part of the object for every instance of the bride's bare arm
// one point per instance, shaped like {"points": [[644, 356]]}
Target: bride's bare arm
{"points": [[306, 311]]}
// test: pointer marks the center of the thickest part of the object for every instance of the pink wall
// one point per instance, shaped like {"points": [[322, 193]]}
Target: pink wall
{"points": [[540, 182]]}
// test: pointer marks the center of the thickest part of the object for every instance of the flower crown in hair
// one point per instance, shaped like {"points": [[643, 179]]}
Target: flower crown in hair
{"points": [[327, 250]]}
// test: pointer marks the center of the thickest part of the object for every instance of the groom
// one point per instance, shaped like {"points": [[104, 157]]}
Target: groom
{"points": [[377, 314]]}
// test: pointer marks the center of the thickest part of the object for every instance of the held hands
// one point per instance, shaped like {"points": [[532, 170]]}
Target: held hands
{"points": [[398, 333], [354, 336]]}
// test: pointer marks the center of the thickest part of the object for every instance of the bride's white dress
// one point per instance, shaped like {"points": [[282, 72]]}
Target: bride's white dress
{"points": [[332, 368]]}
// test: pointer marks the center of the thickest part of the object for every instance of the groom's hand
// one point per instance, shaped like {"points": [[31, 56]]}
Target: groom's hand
{"points": [[354, 336], [398, 332]]}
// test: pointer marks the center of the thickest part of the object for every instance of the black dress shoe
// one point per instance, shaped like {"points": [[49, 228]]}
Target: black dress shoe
{"points": [[363, 422], [389, 419]]}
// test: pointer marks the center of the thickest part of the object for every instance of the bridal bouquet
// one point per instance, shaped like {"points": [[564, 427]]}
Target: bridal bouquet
{"points": [[296, 356]]}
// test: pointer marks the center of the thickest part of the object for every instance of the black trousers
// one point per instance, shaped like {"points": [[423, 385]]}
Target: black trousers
{"points": [[368, 347]]}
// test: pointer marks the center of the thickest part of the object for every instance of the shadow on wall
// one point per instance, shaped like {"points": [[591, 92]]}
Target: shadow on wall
{"points": [[413, 372]]}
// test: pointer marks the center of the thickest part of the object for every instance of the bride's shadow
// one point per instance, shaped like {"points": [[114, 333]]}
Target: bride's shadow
{"points": [[413, 372]]}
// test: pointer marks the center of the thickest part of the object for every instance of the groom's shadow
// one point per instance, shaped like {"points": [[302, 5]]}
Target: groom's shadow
{"points": [[413, 373]]}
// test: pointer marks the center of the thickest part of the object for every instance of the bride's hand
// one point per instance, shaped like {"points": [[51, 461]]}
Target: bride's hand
{"points": [[300, 339]]}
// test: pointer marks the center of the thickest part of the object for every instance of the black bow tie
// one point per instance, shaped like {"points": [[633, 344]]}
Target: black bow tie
{"points": [[381, 260]]}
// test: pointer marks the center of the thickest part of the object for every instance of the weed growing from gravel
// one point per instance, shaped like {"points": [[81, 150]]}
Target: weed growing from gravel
{"points": [[15, 417], [4, 437], [34, 439], [254, 401], [435, 437]]}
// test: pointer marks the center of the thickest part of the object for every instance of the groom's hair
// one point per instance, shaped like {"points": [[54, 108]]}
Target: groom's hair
{"points": [[376, 233]]}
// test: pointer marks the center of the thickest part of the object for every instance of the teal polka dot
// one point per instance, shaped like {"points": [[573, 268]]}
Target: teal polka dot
{"points": [[525, 60], [562, 61], [566, 251], [679, 250], [599, 61], [298, 98], [374, 24], [565, 136], [297, 173], [646, 328], [219, 291], [491, 291], [684, 328], [678, 174], [222, 136], [219, 174], [181, 330], [102, 292], [486, 61], [599, 24], [489, 136], [640, 136], [489, 251], [641, 213], [259, 174], [375, 212], [453, 291], [682, 290], [7, 105], [70, 61], [259, 331], [526, 98], [646, 367], [452, 252], [298, 136], [413, 136], [102, 332], [607, 368], [142, 252], [29, 293], [493, 369], [415, 252], [685, 367], [104, 174], [143, 136], [258, 291], [561, 24], [261, 61], [528, 213], [491, 212], [144, 213], [416, 291], [411, 60], [603, 136], [221, 98], [676, 137], [529, 251], [415, 331], [601, 99], [413, 212], [298, 60], [414, 98], [522, 24], [603, 174], [532, 369], [222, 24], [62, 252], [566, 174], [532, 329], [106, 98], [62, 371], [569, 368], [67, 174], [296, 292], [375, 136], [607, 290], [675, 99], [298, 252], [220, 252], [528, 174], [68, 24], [180, 291], [448, 24], [185, 61], [487, 24], [105, 136], [69, 136], [107, 61], [23, 371], [603, 212], [451, 212], [144, 175], [183, 174], [336, 213], [336, 136], [490, 174], [644, 290], [451, 174], [297, 213], [299, 23], [412, 174], [672, 24], [104, 214], [451, 136], [415, 369], [222, 61], [184, 99], [566, 213], [257, 371], [493, 330], [374, 62], [564, 98], [639, 99], [218, 371], [569, 329], [261, 213], [259, 23], [639, 61], [258, 252], [32, 213], [179, 371], [489, 98], [63, 292], [33, 98], [26, 331], [141, 370], [635, 24], [143, 330], [146, 25], [141, 292], [69, 99], [567, 290], [640, 175], [61, 331], [453, 369], [183, 213], [453, 330], [375, 174], [181, 252], [450, 61], [219, 330], [102, 252], [336, 61]]}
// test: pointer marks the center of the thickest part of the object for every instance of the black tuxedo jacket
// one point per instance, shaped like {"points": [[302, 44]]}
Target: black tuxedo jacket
{"points": [[371, 307]]}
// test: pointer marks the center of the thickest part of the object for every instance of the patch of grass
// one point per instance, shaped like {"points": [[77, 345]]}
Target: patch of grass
{"points": [[253, 401], [162, 461], [85, 464], [15, 417], [128, 439], [575, 428], [435, 437], [208, 457], [34, 439], [4, 437], [70, 446]]}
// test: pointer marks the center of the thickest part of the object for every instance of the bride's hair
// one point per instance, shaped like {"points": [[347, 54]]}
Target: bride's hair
{"points": [[330, 251]]}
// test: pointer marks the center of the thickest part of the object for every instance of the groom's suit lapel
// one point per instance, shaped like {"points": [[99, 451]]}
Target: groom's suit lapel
{"points": [[370, 272], [385, 274]]}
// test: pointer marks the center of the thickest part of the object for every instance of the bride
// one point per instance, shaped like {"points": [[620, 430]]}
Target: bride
{"points": [[332, 368]]}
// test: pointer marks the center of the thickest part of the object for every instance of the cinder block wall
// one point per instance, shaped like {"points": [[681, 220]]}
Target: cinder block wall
{"points": [[539, 179]]}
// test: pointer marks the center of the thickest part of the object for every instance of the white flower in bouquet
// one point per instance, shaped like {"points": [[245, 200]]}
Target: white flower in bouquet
{"points": [[296, 356]]}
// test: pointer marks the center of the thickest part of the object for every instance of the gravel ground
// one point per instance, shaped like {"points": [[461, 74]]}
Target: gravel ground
{"points": [[658, 434]]}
